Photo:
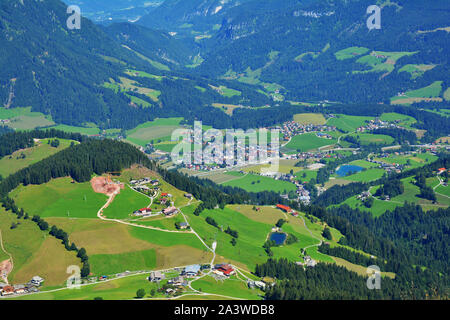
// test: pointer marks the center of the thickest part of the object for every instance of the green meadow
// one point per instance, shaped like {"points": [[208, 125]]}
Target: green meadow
{"points": [[351, 52], [117, 289], [253, 229], [125, 203], [416, 70], [23, 158], [106, 264], [158, 129], [306, 175], [410, 195], [401, 119], [59, 198], [256, 183], [34, 252], [232, 287], [308, 141], [368, 138], [433, 91], [348, 123], [24, 118], [83, 130], [365, 175]]}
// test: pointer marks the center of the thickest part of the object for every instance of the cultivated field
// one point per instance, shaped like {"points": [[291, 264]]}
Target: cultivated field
{"points": [[310, 118]]}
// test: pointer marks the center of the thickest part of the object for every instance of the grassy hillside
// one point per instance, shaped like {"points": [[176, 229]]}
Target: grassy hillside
{"points": [[59, 198], [256, 183], [23, 158], [34, 252], [308, 141]]}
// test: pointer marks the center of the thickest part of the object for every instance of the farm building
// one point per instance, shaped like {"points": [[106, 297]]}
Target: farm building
{"points": [[7, 290], [156, 276], [19, 289], [184, 225], [191, 271], [284, 208], [224, 269], [36, 280], [170, 211], [188, 195], [178, 281], [143, 212]]}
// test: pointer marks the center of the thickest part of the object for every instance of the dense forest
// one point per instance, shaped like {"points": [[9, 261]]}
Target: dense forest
{"points": [[328, 281]]}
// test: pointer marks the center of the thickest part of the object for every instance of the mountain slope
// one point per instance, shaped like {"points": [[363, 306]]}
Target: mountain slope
{"points": [[307, 37], [56, 70], [181, 14], [154, 44]]}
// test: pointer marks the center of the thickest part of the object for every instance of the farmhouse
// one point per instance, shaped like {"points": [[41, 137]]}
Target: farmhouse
{"points": [[178, 281], [309, 262], [170, 211], [7, 291], [19, 289], [184, 225], [188, 195], [143, 212], [156, 276]]}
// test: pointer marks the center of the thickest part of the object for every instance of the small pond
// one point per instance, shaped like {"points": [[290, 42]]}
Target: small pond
{"points": [[344, 170], [278, 237]]}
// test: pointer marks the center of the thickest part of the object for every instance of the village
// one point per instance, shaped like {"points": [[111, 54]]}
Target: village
{"points": [[32, 286]]}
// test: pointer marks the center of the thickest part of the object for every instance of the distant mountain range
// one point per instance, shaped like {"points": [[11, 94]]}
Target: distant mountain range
{"points": [[108, 11], [301, 45], [203, 56]]}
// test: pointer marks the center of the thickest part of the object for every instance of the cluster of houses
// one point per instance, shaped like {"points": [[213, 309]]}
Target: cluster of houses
{"points": [[378, 124], [314, 156], [144, 181], [388, 167], [192, 271], [242, 155], [292, 128], [17, 289]]}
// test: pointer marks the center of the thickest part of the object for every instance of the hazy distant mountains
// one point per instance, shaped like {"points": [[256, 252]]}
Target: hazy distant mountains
{"points": [[107, 11]]}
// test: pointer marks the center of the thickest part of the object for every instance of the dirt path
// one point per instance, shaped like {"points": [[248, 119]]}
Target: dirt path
{"points": [[312, 235], [7, 265]]}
